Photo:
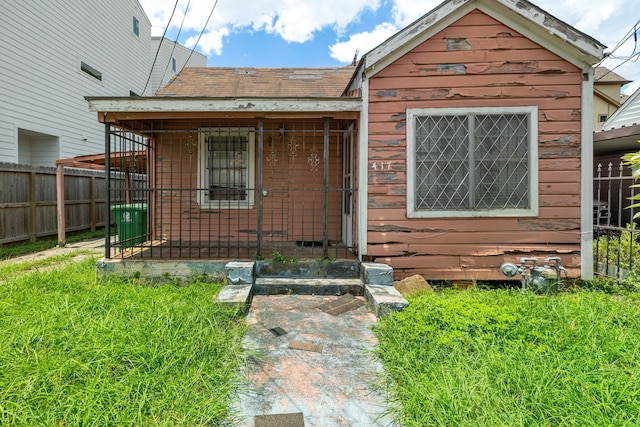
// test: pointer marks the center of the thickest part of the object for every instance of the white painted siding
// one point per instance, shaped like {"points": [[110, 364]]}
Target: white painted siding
{"points": [[42, 85], [627, 115], [162, 71]]}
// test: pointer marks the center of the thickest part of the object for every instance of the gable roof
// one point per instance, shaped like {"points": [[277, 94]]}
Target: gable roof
{"points": [[605, 75], [521, 15], [258, 82]]}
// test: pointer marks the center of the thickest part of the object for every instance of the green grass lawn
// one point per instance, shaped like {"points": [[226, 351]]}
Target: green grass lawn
{"points": [[500, 358], [76, 352]]}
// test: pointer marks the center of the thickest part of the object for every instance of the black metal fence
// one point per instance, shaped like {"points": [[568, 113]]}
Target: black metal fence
{"points": [[616, 241], [233, 189]]}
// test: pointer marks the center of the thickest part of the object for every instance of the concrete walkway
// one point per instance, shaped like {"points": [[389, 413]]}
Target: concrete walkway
{"points": [[311, 368], [92, 246]]}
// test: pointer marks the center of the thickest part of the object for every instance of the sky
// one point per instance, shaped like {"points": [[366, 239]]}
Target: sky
{"points": [[327, 33]]}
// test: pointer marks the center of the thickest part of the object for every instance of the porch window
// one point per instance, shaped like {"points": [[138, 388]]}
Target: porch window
{"points": [[226, 167], [468, 162]]}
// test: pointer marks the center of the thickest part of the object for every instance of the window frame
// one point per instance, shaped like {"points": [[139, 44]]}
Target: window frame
{"points": [[203, 182], [414, 113], [136, 27]]}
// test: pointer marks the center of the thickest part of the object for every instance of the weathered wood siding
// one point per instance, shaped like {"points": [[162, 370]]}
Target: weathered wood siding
{"points": [[476, 62], [28, 201], [292, 208]]}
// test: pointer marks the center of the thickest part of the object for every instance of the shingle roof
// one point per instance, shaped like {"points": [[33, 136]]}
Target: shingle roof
{"points": [[605, 75], [258, 82]]}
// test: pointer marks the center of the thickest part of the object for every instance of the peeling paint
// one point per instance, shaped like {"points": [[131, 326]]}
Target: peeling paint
{"points": [[458, 44], [387, 93], [456, 68], [400, 125]]}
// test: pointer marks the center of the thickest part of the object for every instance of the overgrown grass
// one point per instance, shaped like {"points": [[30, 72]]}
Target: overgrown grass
{"points": [[500, 358], [23, 248], [76, 352]]}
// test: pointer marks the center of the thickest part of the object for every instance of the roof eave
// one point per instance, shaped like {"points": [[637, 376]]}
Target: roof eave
{"points": [[204, 104], [559, 37]]}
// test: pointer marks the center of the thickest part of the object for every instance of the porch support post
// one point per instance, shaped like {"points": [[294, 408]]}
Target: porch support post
{"points": [[107, 198], [586, 171], [259, 184], [59, 206], [325, 209]]}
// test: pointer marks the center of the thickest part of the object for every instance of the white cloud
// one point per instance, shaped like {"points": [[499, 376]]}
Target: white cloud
{"points": [[363, 42], [295, 21], [406, 11], [210, 42]]}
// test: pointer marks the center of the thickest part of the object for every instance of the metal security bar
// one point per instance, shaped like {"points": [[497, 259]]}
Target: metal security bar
{"points": [[616, 240], [233, 189]]}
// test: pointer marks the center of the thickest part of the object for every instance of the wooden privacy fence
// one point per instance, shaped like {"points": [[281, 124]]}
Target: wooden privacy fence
{"points": [[28, 201]]}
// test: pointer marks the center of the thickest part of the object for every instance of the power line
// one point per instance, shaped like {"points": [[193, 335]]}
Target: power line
{"points": [[633, 56], [164, 73], [159, 45], [201, 33]]}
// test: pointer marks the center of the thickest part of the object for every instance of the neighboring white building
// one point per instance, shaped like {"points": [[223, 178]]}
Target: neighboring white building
{"points": [[55, 53]]}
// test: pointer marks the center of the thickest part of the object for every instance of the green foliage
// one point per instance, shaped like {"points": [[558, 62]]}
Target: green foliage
{"points": [[117, 352], [633, 160], [277, 257], [623, 250], [498, 358], [630, 285]]}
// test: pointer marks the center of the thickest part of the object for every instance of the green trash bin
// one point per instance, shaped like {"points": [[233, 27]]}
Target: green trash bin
{"points": [[131, 223]]}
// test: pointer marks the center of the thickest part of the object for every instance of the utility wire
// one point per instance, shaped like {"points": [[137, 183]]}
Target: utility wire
{"points": [[159, 45], [175, 41], [632, 32], [201, 33]]}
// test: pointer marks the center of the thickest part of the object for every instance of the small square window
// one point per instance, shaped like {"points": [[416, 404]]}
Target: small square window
{"points": [[471, 162], [136, 26], [173, 64], [602, 118]]}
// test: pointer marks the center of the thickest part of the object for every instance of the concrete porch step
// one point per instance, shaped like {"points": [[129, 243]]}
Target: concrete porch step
{"points": [[306, 286]]}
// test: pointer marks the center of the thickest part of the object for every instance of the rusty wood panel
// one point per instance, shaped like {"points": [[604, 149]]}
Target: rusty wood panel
{"points": [[410, 79], [559, 176], [448, 98], [425, 91], [459, 273], [387, 220], [479, 237], [389, 189], [387, 202], [397, 101], [513, 250], [557, 188], [387, 177], [561, 163], [495, 261], [492, 70], [550, 150], [561, 200], [380, 152]]}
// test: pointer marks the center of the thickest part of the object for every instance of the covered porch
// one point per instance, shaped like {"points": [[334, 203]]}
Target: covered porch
{"points": [[233, 186]]}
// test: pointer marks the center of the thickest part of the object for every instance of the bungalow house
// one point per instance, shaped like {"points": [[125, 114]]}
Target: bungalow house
{"points": [[452, 147]]}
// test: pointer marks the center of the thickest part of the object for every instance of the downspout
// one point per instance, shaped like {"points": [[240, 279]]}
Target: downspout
{"points": [[363, 168], [586, 202]]}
